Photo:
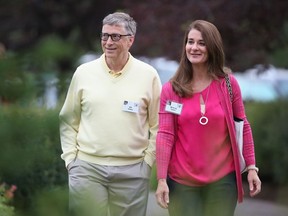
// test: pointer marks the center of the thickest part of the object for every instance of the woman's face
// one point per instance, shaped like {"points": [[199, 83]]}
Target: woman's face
{"points": [[196, 50]]}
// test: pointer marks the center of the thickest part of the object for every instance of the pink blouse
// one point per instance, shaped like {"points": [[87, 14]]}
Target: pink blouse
{"points": [[196, 154]]}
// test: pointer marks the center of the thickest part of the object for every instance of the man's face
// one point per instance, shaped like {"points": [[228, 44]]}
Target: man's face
{"points": [[116, 49]]}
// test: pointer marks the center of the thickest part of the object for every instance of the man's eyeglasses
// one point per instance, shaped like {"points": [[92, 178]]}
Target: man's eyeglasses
{"points": [[114, 37]]}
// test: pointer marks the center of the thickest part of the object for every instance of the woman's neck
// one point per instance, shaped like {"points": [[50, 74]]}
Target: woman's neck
{"points": [[201, 79]]}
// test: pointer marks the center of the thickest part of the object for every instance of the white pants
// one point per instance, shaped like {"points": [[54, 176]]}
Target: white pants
{"points": [[97, 190]]}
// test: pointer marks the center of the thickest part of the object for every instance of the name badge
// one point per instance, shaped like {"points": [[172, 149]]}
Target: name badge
{"points": [[173, 107], [129, 106]]}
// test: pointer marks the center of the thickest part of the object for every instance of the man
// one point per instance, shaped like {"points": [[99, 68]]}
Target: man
{"points": [[108, 125]]}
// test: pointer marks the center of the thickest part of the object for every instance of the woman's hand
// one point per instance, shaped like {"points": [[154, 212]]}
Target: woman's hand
{"points": [[162, 193], [254, 182]]}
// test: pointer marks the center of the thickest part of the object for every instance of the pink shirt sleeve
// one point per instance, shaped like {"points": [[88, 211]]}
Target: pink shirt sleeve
{"points": [[166, 133], [239, 112]]}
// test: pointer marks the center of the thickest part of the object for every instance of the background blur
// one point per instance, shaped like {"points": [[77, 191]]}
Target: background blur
{"points": [[43, 41]]}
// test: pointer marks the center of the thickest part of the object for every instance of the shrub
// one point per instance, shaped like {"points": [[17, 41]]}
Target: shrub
{"points": [[16, 85], [30, 152], [269, 125], [6, 195]]}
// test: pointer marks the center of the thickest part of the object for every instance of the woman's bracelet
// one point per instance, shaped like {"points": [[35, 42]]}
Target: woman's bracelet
{"points": [[253, 167]]}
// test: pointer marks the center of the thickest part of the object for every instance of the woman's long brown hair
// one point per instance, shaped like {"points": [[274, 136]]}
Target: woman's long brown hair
{"points": [[181, 81]]}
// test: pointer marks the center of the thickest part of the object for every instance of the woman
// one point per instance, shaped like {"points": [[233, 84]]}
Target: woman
{"points": [[198, 168]]}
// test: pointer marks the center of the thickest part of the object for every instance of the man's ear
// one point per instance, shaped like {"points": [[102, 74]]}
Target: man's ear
{"points": [[131, 40]]}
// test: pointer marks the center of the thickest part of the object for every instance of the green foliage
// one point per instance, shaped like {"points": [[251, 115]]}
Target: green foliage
{"points": [[5, 208], [50, 202], [53, 48], [24, 76], [16, 85], [153, 181], [279, 57], [30, 152], [269, 125], [52, 54]]}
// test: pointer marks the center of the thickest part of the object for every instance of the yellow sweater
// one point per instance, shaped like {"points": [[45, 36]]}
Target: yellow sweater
{"points": [[97, 127]]}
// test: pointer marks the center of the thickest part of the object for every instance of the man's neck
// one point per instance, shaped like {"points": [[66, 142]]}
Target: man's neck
{"points": [[117, 64]]}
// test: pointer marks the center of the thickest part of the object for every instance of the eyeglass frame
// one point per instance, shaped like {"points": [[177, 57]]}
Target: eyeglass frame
{"points": [[112, 36]]}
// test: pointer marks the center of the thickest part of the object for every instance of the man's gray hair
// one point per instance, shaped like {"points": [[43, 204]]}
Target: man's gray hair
{"points": [[124, 19]]}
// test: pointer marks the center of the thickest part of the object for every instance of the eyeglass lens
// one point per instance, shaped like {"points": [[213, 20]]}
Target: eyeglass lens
{"points": [[114, 37]]}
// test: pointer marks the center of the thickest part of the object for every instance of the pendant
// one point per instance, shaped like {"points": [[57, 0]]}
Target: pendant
{"points": [[203, 120]]}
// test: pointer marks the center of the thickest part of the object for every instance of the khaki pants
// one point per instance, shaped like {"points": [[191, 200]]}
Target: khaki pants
{"points": [[97, 190]]}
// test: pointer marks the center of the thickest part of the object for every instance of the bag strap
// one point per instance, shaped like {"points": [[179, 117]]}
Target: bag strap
{"points": [[229, 86]]}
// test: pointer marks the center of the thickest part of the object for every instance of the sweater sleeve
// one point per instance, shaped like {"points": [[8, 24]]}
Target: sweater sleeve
{"points": [[166, 134], [153, 121], [239, 112], [69, 119]]}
